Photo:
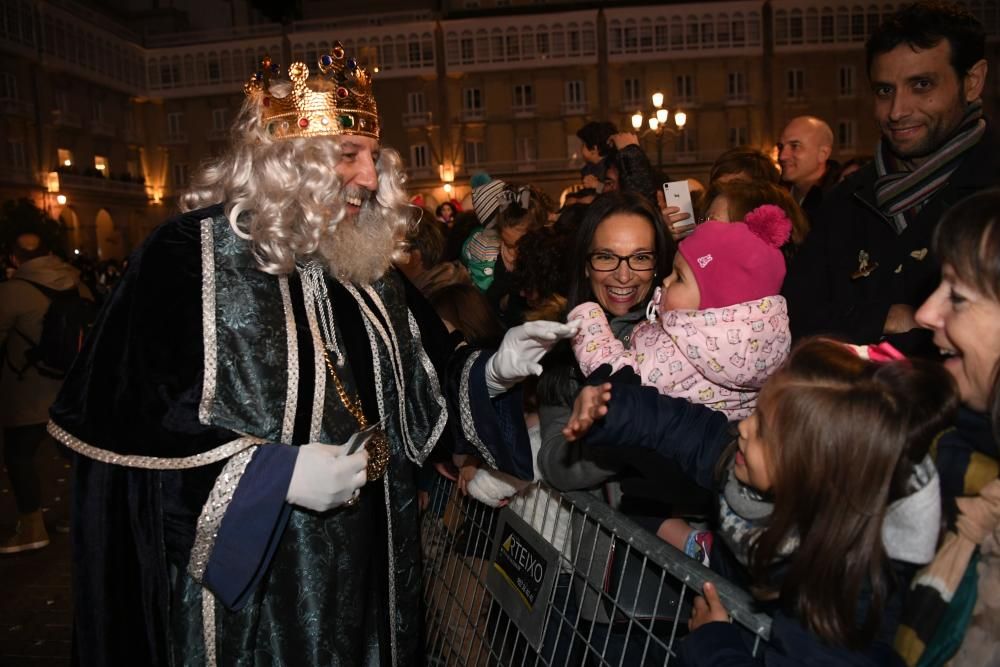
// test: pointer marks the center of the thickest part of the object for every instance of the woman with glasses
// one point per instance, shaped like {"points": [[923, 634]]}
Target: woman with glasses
{"points": [[622, 251]]}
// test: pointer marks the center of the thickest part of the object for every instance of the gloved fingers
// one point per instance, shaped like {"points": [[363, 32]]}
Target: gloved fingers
{"points": [[335, 450], [533, 368], [360, 478], [356, 461], [547, 330]]}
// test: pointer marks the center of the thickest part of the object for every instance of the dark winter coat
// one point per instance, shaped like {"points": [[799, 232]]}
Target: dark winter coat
{"points": [[853, 265]]}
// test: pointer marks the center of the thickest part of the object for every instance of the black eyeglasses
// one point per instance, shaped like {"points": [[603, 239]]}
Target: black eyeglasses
{"points": [[608, 261]]}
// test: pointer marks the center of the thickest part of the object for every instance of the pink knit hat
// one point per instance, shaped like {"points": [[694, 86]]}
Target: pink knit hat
{"points": [[735, 262]]}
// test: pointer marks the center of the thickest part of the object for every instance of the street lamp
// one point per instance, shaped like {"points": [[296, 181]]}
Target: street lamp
{"points": [[658, 123]]}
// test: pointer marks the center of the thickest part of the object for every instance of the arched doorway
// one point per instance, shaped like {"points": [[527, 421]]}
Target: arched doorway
{"points": [[109, 239], [71, 223]]}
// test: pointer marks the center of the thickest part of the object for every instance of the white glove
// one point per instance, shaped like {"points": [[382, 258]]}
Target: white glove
{"points": [[521, 350], [325, 476], [490, 488]]}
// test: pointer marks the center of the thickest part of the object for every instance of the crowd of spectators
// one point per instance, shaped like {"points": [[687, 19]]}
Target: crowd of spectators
{"points": [[800, 388]]}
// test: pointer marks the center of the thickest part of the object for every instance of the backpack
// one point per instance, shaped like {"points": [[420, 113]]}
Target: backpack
{"points": [[68, 319]]}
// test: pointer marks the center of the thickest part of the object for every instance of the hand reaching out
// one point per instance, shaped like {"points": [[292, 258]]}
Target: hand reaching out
{"points": [[707, 609], [591, 404]]}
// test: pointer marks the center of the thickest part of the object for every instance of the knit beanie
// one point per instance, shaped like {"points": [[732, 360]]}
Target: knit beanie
{"points": [[486, 201], [734, 262]]}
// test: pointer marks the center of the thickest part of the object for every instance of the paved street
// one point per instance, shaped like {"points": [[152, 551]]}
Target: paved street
{"points": [[35, 601]]}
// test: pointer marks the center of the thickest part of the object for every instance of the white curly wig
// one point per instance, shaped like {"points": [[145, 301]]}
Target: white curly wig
{"points": [[285, 197]]}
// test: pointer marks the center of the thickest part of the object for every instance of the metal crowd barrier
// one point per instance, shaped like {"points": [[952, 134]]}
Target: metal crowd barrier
{"points": [[557, 579]]}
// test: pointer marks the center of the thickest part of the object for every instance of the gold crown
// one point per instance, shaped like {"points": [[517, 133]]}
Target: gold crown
{"points": [[348, 108]]}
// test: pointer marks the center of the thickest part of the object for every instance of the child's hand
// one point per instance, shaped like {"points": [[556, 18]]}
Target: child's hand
{"points": [[591, 404], [707, 609]]}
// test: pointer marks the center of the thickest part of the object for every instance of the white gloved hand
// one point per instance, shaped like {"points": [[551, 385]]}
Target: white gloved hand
{"points": [[521, 350], [326, 476]]}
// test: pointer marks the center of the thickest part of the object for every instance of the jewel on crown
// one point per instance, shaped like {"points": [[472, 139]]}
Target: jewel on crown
{"points": [[344, 105]]}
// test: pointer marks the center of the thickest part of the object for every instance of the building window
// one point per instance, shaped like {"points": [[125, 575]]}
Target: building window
{"points": [[845, 135], [794, 84], [65, 156], [219, 120], [475, 152], [736, 87], [97, 111], [631, 94], [472, 103], [684, 89], [685, 143], [738, 136], [101, 165], [524, 98], [524, 149], [419, 156], [415, 102], [15, 154], [179, 172], [62, 102], [214, 71], [169, 74], [175, 126], [132, 168], [467, 50], [826, 26], [847, 80], [8, 86], [574, 97]]}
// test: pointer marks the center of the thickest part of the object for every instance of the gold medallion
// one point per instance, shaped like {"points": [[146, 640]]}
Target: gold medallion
{"points": [[378, 454]]}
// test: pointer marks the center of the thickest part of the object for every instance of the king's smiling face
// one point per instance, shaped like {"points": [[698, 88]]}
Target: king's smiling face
{"points": [[356, 170]]}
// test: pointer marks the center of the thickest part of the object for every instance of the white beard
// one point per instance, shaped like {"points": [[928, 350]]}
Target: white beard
{"points": [[359, 250]]}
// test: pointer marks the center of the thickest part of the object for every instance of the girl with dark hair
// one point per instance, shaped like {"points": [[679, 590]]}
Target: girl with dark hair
{"points": [[827, 498]]}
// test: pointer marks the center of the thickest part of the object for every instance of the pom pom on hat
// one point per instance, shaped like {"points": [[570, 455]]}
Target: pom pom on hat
{"points": [[481, 178], [770, 223]]}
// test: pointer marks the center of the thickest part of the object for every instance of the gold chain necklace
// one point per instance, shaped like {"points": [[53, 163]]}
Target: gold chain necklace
{"points": [[378, 444]]}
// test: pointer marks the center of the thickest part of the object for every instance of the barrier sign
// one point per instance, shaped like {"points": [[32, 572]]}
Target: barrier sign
{"points": [[523, 569]]}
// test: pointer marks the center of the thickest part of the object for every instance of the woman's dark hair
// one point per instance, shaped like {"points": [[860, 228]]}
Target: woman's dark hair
{"points": [[595, 134], [602, 208], [461, 226], [922, 25], [542, 266], [441, 206], [968, 240], [745, 160], [425, 235], [842, 435], [468, 310], [536, 214]]}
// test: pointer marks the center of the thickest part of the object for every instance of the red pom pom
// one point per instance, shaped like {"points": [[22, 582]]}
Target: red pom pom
{"points": [[770, 223]]}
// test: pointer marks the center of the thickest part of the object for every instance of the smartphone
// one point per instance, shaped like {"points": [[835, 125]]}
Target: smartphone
{"points": [[361, 437], [677, 193]]}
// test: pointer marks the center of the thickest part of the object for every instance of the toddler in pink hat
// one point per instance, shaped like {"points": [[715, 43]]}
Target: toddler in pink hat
{"points": [[717, 327]]}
